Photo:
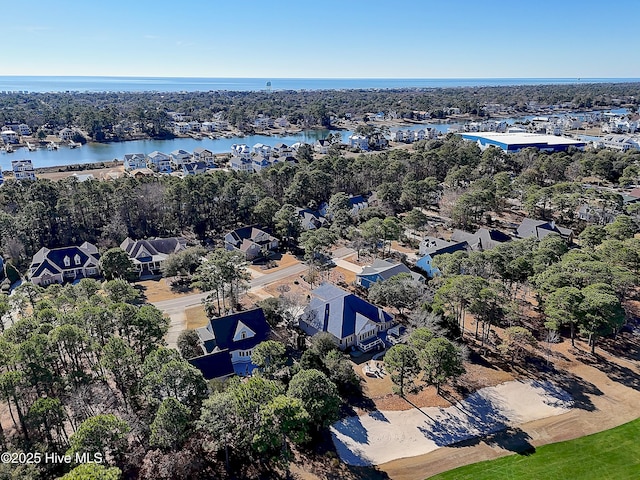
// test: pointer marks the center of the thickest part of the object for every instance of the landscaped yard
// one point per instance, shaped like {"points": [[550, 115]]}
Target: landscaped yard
{"points": [[613, 454]]}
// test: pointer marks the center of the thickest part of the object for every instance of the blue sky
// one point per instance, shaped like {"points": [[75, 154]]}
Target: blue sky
{"points": [[322, 39]]}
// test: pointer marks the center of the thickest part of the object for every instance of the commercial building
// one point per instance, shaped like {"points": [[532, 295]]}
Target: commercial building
{"points": [[513, 142]]}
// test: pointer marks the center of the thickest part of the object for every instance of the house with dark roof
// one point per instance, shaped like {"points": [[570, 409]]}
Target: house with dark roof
{"points": [[66, 264], [356, 203], [431, 247], [381, 270], [482, 239], [149, 255], [228, 342], [193, 168], [310, 219], [204, 155], [251, 241], [540, 229], [350, 319]]}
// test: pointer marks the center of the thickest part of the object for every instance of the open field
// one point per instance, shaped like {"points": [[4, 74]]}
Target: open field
{"points": [[610, 454]]}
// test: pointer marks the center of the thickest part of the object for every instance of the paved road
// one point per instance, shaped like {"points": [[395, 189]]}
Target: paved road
{"points": [[175, 307]]}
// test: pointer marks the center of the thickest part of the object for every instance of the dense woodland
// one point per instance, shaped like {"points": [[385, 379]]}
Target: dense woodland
{"points": [[97, 113], [466, 182]]}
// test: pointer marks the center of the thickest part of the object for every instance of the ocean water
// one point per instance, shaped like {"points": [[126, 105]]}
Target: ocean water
{"points": [[177, 84]]}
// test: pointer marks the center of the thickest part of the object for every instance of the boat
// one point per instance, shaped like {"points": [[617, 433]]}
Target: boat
{"points": [[9, 148], [73, 144], [52, 146], [31, 147]]}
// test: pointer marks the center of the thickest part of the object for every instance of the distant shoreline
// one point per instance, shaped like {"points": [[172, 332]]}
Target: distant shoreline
{"points": [[60, 84]]}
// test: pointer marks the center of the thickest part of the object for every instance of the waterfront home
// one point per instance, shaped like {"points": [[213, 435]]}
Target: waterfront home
{"points": [[134, 161], [66, 264], [322, 146], [282, 150], [227, 343], [204, 155], [350, 319], [195, 126], [359, 141], [159, 162], [149, 255], [261, 150], [296, 146], [181, 128], [66, 134], [482, 239], [252, 241], [180, 157], [381, 270], [9, 136], [539, 229], [24, 130], [208, 127], [193, 168], [23, 170], [241, 151], [431, 247], [263, 122], [281, 122]]}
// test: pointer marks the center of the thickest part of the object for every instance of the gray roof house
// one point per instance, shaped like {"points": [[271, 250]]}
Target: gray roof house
{"points": [[149, 255], [381, 270], [483, 239], [350, 319], [540, 229], [251, 241], [66, 264]]}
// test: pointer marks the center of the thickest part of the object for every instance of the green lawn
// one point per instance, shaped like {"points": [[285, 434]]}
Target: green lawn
{"points": [[613, 454]]}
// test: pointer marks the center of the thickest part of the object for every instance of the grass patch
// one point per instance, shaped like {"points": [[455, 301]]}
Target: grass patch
{"points": [[612, 454], [195, 317]]}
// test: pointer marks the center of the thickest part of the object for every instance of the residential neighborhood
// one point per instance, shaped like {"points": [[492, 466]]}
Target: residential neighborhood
{"points": [[404, 282]]}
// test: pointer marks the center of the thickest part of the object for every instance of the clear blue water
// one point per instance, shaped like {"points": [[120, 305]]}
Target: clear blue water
{"points": [[176, 84]]}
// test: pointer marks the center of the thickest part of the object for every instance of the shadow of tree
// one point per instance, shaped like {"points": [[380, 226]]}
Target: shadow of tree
{"points": [[474, 417], [621, 374], [579, 388]]}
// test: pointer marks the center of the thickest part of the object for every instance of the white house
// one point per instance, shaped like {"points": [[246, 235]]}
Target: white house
{"points": [[66, 134], [159, 162], [23, 170], [134, 161], [9, 136], [180, 157], [322, 146], [359, 141]]}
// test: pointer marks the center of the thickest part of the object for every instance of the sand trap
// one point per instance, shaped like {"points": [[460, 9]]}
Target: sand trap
{"points": [[380, 437]]}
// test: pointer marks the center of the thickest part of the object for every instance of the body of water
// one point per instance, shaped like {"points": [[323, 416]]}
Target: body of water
{"points": [[177, 84], [103, 152]]}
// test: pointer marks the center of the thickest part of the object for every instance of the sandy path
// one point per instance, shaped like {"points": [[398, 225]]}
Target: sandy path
{"points": [[382, 436]]}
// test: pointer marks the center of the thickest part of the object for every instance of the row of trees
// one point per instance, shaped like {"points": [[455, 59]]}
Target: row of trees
{"points": [[98, 113]]}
